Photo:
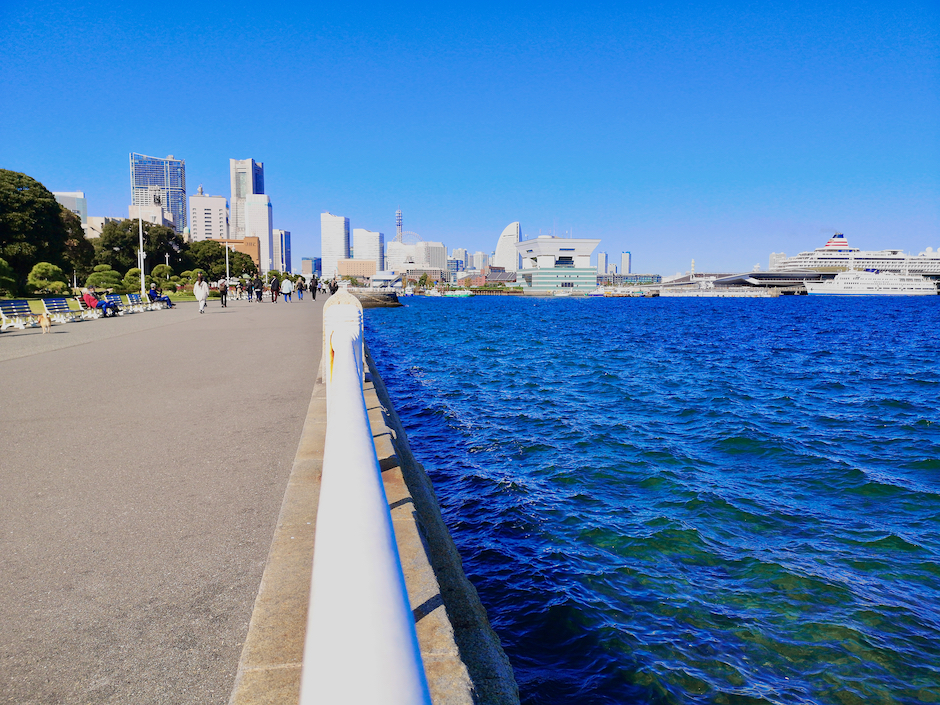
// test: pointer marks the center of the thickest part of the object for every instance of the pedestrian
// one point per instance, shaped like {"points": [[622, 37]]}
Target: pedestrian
{"points": [[223, 292], [313, 287], [259, 288], [287, 287], [300, 288], [201, 290]]}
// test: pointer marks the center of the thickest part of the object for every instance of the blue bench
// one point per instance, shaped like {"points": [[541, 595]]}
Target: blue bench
{"points": [[16, 313], [58, 310], [116, 300]]}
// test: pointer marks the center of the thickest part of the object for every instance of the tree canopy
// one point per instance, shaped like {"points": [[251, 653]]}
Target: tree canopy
{"points": [[32, 229]]}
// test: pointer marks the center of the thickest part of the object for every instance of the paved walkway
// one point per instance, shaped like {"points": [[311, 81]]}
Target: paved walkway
{"points": [[143, 461]]}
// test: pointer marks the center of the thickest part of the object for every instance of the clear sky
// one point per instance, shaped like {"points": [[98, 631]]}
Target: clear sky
{"points": [[715, 131]]}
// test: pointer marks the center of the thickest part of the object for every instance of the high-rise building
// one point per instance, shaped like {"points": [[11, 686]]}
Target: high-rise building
{"points": [[399, 256], [334, 242], [157, 182], [431, 255], [461, 254], [506, 255], [74, 201], [625, 262], [259, 223], [247, 178], [208, 217], [369, 245], [602, 263], [480, 260], [776, 259], [310, 266], [280, 259]]}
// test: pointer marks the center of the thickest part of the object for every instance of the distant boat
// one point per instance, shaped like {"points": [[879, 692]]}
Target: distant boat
{"points": [[433, 292], [871, 282], [459, 293]]}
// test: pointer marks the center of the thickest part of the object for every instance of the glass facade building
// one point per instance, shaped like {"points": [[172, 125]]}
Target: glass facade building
{"points": [[160, 182]]}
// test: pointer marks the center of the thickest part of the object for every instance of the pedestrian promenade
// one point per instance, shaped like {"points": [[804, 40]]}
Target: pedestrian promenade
{"points": [[143, 462]]}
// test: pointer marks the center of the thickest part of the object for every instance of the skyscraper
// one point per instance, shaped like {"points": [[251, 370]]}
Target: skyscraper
{"points": [[259, 223], [247, 177], [281, 257], [160, 182], [74, 201], [334, 242], [602, 263], [625, 262], [506, 255], [369, 245], [208, 217]]}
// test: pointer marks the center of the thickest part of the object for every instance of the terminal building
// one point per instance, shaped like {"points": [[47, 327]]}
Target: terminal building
{"points": [[554, 265]]}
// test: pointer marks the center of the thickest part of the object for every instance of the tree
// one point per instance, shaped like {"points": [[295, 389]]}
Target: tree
{"points": [[209, 256], [120, 241], [240, 263], [79, 251], [104, 277], [424, 280], [161, 271], [131, 282], [31, 228], [45, 278], [7, 278]]}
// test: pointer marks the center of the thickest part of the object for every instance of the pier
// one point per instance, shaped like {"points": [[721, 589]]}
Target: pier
{"points": [[160, 473]]}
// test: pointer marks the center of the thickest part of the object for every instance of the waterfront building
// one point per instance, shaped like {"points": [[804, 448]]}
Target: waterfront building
{"points": [[506, 255], [157, 182], [247, 178], [776, 259], [554, 265], [358, 268], [480, 260], [601, 263], [399, 256], [611, 268], [431, 255], [461, 255], [280, 259], [837, 256], [259, 223], [369, 245], [435, 275], [95, 225], [74, 201], [454, 266], [334, 242], [208, 217], [625, 263]]}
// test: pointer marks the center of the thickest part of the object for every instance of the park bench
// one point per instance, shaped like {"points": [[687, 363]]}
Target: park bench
{"points": [[116, 300], [17, 314], [87, 313], [136, 303], [59, 311]]}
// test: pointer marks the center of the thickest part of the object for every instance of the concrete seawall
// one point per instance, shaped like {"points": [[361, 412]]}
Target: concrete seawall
{"points": [[463, 659]]}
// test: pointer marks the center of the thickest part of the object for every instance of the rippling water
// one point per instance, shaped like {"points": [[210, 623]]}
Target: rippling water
{"points": [[687, 501]]}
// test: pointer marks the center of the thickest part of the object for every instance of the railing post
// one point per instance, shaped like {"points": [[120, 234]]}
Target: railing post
{"points": [[361, 645]]}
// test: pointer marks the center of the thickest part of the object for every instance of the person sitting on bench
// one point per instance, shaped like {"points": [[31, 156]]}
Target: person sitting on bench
{"points": [[92, 301], [156, 296]]}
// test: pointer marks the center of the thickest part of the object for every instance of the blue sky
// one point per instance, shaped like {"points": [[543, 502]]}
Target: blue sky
{"points": [[719, 132]]}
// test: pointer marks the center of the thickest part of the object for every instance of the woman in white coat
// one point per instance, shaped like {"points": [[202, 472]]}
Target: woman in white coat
{"points": [[287, 288], [201, 290]]}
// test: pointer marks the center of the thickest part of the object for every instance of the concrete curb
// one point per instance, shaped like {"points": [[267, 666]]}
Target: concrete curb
{"points": [[463, 659]]}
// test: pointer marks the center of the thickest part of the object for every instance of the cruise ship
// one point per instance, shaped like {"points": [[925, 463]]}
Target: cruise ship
{"points": [[872, 283], [837, 256]]}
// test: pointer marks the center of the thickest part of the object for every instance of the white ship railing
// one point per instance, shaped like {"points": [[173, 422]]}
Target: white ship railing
{"points": [[361, 645]]}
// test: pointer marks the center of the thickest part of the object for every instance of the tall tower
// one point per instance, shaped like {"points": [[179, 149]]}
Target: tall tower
{"points": [[247, 178], [398, 225], [160, 182]]}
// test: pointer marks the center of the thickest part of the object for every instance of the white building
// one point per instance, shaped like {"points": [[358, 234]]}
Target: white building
{"points": [[399, 257], [74, 201], [602, 263], [626, 264], [776, 259], [461, 255], [431, 255], [334, 242], [208, 217], [506, 255], [280, 259], [247, 178], [369, 245], [259, 223], [155, 214], [553, 265], [480, 260], [95, 225]]}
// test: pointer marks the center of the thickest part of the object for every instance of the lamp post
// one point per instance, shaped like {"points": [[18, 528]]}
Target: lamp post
{"points": [[141, 255], [226, 263]]}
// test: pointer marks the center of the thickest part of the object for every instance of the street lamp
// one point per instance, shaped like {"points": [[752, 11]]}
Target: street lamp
{"points": [[141, 254]]}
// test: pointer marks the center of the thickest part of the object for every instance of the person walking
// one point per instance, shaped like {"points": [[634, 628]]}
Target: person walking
{"points": [[275, 287], [287, 288], [201, 291], [223, 292], [313, 287], [300, 289], [259, 288]]}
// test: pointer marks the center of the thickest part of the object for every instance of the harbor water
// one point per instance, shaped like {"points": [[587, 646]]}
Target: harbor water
{"points": [[687, 501]]}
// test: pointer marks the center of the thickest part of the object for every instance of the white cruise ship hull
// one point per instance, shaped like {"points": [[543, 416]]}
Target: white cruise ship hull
{"points": [[872, 284]]}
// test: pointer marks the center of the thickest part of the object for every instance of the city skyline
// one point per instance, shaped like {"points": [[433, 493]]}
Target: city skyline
{"points": [[715, 133]]}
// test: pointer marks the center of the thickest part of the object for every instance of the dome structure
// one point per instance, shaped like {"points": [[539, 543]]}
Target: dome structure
{"points": [[506, 255]]}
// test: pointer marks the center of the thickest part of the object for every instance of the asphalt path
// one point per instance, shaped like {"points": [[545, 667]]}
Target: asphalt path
{"points": [[143, 461]]}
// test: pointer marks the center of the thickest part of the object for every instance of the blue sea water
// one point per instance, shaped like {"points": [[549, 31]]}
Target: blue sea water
{"points": [[687, 501]]}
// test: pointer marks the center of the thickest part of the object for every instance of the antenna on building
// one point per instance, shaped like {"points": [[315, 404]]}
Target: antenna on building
{"points": [[398, 225]]}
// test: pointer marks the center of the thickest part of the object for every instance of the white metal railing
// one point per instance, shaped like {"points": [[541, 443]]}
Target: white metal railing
{"points": [[361, 645]]}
